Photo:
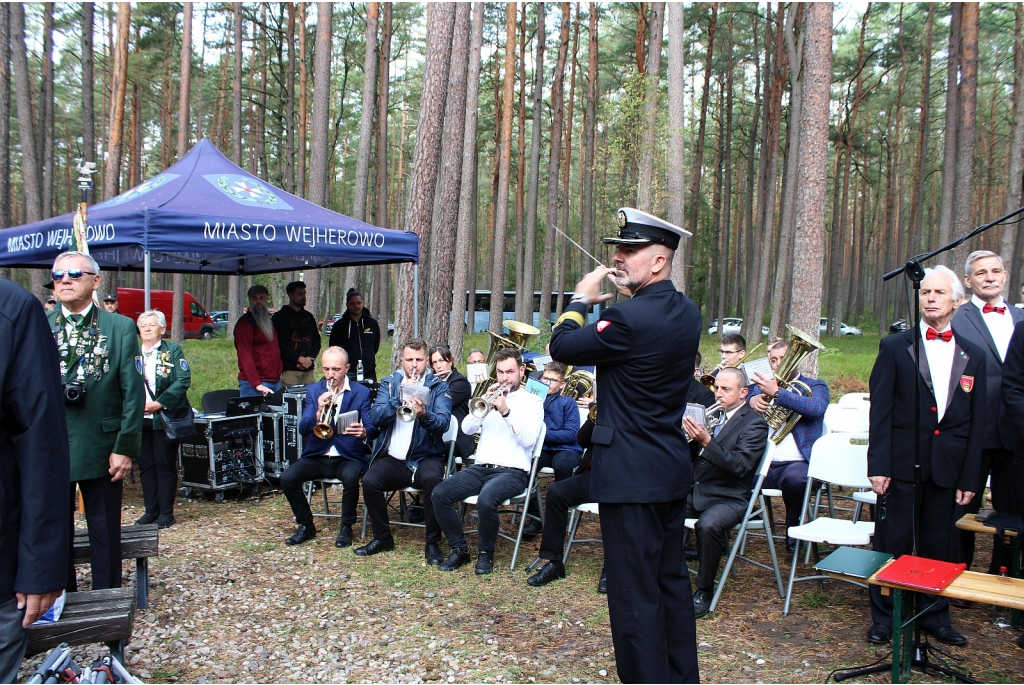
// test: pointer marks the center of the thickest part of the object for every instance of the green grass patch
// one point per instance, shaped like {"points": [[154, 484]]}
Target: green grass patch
{"points": [[816, 598]]}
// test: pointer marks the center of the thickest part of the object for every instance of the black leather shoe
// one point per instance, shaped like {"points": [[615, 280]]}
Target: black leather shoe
{"points": [[344, 538], [879, 634], [553, 570], [165, 521], [433, 554], [1020, 642], [947, 636], [457, 559], [484, 563], [602, 585], [375, 547], [790, 545], [533, 529], [147, 519], [301, 535], [701, 603]]}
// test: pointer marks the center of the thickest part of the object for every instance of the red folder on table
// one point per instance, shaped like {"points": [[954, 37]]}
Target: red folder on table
{"points": [[921, 574]]}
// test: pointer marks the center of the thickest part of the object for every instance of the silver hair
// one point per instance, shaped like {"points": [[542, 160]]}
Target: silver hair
{"points": [[156, 314], [957, 284], [74, 253], [981, 254]]}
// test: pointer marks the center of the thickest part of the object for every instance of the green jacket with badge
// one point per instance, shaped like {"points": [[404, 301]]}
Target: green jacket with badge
{"points": [[173, 378], [110, 419]]}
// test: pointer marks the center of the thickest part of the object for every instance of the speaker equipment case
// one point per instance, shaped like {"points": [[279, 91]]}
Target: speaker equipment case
{"points": [[225, 453], [272, 427]]}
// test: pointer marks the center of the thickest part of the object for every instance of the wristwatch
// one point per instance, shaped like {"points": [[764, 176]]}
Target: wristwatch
{"points": [[581, 298], [507, 412]]}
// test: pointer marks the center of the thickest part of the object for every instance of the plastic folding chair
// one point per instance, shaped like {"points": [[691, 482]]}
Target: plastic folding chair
{"points": [[518, 504], [835, 460], [847, 418], [574, 524], [403, 511], [855, 399], [754, 518]]}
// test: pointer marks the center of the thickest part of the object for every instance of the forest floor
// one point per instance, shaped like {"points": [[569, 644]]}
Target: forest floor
{"points": [[230, 602]]}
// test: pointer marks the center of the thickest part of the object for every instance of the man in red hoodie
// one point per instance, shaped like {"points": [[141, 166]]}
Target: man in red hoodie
{"points": [[259, 356]]}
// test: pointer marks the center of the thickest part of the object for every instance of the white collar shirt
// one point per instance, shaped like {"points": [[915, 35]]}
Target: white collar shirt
{"points": [[939, 355], [401, 432], [333, 418], [1000, 326], [149, 360], [508, 441]]}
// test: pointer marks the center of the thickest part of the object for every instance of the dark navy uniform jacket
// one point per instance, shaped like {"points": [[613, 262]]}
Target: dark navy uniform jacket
{"points": [[643, 349]]}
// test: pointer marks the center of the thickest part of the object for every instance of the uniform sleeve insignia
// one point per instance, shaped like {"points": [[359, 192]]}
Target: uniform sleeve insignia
{"points": [[601, 325], [967, 383], [138, 364], [184, 365]]}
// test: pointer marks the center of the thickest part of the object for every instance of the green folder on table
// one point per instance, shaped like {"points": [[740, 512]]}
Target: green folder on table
{"points": [[855, 562]]}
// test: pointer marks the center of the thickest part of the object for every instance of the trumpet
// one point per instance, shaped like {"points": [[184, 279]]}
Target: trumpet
{"points": [[323, 429], [708, 379], [714, 416], [406, 412], [481, 406]]}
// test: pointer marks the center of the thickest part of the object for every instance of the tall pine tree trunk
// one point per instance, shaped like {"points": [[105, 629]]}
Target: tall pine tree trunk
{"points": [[320, 148], [652, 77], [676, 134], [1013, 184], [46, 131], [590, 130], [963, 202], [184, 126], [118, 89], [524, 306], [5, 121], [88, 110], [949, 149]]}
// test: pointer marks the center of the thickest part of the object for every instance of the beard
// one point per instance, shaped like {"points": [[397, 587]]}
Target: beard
{"points": [[262, 317], [626, 280]]}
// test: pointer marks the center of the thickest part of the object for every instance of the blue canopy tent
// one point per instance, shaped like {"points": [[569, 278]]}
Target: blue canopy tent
{"points": [[207, 215]]}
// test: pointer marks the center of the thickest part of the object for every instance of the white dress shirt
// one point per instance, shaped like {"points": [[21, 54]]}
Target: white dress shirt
{"points": [[149, 359], [508, 441], [939, 355], [999, 325], [401, 433], [332, 420]]}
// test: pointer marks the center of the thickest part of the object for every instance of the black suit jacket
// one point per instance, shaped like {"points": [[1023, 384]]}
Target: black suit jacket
{"points": [[969, 324], [641, 348], [724, 469], [951, 448], [1013, 387], [35, 460], [460, 390]]}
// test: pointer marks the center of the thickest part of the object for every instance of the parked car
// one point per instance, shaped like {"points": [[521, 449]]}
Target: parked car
{"points": [[843, 328], [220, 322], [732, 325], [198, 324], [898, 325]]}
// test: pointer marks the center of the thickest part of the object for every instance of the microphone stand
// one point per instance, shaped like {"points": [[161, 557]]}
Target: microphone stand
{"points": [[921, 648]]}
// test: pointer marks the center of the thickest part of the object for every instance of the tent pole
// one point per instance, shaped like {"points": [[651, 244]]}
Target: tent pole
{"points": [[145, 278], [416, 300]]}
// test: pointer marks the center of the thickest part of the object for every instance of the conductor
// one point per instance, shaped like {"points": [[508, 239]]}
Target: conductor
{"points": [[642, 349]]}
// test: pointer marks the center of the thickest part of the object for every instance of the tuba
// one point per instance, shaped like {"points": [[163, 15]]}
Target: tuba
{"points": [[780, 419], [323, 429], [579, 384], [518, 339], [708, 379]]}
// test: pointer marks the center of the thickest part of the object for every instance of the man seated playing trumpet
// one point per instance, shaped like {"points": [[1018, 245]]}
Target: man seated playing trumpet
{"points": [[410, 451], [509, 422], [330, 451]]}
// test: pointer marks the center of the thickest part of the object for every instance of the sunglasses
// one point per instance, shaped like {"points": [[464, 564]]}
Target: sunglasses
{"points": [[73, 274]]}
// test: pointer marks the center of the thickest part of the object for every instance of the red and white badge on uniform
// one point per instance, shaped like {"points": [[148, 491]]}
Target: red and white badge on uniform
{"points": [[967, 383], [601, 325]]}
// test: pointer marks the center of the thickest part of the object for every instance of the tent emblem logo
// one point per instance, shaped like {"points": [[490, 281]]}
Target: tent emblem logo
{"points": [[246, 191], [141, 189]]}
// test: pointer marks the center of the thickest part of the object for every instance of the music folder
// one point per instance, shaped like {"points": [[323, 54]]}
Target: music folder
{"points": [[855, 562], [918, 573]]}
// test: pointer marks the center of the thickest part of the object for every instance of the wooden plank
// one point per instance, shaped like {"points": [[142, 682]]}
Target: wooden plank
{"points": [[976, 587], [971, 524], [136, 542], [96, 616]]}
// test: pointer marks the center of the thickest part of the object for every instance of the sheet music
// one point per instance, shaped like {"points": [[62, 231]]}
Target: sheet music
{"points": [[420, 392], [697, 412], [347, 419], [476, 373], [761, 366]]}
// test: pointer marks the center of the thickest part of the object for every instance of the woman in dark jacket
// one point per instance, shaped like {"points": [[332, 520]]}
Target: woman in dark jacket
{"points": [[443, 365], [167, 378]]}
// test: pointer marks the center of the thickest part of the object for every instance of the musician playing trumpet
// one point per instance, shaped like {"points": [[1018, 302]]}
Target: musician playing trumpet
{"points": [[788, 471], [410, 451], [342, 455]]}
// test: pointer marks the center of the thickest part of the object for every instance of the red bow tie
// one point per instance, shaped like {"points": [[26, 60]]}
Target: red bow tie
{"points": [[988, 309], [932, 334]]}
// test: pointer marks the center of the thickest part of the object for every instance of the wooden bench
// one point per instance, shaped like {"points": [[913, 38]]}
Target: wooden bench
{"points": [[137, 542], [94, 616], [969, 586]]}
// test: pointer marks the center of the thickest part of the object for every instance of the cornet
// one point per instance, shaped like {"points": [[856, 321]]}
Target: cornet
{"points": [[481, 406], [323, 429], [406, 412]]}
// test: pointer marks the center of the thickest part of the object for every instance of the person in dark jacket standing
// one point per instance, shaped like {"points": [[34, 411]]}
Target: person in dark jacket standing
{"points": [[297, 337], [359, 335], [442, 363], [642, 348], [561, 452], [259, 356], [35, 472], [951, 379], [408, 453], [1013, 401]]}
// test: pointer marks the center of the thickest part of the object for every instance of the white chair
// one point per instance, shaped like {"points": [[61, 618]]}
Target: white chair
{"points": [[518, 504], [576, 514], [754, 518], [835, 460], [847, 419], [449, 441], [855, 399]]}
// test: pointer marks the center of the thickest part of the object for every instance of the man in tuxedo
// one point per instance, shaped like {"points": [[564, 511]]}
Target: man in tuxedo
{"points": [[722, 475], [342, 456], [1013, 401], [987, 321], [950, 376]]}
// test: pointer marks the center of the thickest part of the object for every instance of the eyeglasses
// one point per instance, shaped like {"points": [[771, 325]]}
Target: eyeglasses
{"points": [[723, 352], [550, 381], [881, 507], [73, 274]]}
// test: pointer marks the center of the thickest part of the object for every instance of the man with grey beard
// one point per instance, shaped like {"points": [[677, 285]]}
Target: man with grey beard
{"points": [[259, 357]]}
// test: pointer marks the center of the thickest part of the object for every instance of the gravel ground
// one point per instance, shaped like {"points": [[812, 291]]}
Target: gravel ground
{"points": [[230, 602]]}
